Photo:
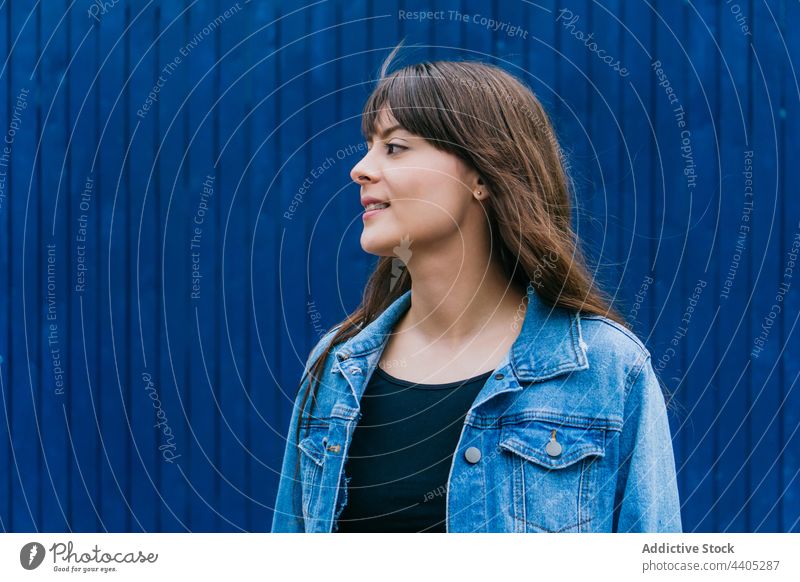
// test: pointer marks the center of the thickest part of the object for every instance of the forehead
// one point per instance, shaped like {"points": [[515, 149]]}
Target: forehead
{"points": [[384, 123], [384, 119]]}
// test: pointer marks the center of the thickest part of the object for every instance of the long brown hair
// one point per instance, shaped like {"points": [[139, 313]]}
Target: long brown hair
{"points": [[492, 121]]}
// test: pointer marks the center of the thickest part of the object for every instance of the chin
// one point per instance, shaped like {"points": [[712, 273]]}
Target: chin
{"points": [[378, 244], [378, 250]]}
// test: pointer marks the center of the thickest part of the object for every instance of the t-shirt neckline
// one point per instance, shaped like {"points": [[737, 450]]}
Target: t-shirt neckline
{"points": [[400, 382]]}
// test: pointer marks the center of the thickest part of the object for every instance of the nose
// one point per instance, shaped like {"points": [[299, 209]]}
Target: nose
{"points": [[364, 172]]}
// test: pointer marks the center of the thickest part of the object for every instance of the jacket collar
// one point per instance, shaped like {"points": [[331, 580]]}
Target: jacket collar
{"points": [[549, 343]]}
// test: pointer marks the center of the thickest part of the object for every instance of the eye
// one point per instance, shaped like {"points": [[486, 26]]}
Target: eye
{"points": [[394, 145]]}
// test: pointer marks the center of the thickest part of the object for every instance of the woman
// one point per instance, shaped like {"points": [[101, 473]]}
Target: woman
{"points": [[484, 384]]}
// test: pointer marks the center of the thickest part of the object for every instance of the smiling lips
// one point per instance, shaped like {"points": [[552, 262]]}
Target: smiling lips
{"points": [[367, 200], [374, 208], [376, 205]]}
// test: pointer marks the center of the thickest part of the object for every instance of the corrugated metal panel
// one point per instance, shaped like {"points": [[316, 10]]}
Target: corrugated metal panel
{"points": [[179, 228]]}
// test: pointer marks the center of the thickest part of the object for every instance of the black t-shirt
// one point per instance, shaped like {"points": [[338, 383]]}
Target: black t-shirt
{"points": [[401, 453]]}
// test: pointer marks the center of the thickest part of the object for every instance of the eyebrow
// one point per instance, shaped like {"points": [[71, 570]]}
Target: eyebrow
{"points": [[387, 131]]}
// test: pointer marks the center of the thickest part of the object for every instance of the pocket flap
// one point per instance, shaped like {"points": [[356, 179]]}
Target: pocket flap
{"points": [[530, 439], [313, 448]]}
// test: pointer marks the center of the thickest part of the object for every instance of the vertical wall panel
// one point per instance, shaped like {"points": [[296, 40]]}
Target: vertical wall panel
{"points": [[6, 453], [144, 385], [189, 162], [61, 447], [233, 400], [201, 330], [769, 250], [272, 393], [733, 273], [78, 197], [174, 200], [789, 124], [636, 200], [28, 259], [699, 172]]}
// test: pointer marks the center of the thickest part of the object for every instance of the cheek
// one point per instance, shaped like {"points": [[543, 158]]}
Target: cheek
{"points": [[422, 218], [429, 203], [437, 212], [433, 195]]}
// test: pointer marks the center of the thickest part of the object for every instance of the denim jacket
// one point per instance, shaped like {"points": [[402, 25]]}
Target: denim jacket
{"points": [[569, 434]]}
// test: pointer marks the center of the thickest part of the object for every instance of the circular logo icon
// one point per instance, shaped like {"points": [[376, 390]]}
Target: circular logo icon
{"points": [[31, 555]]}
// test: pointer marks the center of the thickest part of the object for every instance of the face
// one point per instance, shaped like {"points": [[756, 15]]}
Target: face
{"points": [[429, 192]]}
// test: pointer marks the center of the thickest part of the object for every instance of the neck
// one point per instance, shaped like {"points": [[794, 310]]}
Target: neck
{"points": [[456, 297]]}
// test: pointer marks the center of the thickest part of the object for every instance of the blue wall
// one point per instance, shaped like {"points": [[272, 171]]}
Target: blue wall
{"points": [[151, 142]]}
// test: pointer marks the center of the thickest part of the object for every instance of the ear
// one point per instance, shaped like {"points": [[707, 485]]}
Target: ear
{"points": [[479, 190]]}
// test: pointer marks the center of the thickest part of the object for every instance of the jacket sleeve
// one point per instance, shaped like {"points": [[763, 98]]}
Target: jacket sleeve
{"points": [[288, 514], [646, 498]]}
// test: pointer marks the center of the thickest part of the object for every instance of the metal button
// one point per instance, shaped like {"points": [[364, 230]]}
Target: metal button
{"points": [[553, 448], [342, 356], [473, 455], [499, 376]]}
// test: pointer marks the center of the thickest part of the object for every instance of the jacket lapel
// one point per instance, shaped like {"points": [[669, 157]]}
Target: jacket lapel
{"points": [[550, 343]]}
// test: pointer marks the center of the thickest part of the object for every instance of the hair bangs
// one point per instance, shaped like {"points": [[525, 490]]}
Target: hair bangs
{"points": [[411, 96]]}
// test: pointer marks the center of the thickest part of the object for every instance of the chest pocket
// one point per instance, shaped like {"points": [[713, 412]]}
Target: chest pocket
{"points": [[322, 446], [555, 464], [312, 462]]}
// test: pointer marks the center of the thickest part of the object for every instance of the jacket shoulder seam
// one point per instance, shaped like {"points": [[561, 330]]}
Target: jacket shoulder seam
{"points": [[634, 374], [632, 336]]}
